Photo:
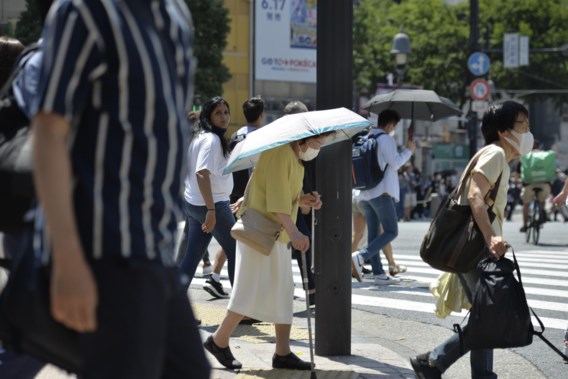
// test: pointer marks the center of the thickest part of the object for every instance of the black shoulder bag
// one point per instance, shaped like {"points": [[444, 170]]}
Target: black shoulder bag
{"points": [[453, 242], [499, 315]]}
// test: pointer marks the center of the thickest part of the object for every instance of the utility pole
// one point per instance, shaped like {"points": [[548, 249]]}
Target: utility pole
{"points": [[474, 47], [333, 181]]}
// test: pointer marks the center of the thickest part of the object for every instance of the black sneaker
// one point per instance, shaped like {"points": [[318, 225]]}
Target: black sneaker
{"points": [[423, 369], [215, 288]]}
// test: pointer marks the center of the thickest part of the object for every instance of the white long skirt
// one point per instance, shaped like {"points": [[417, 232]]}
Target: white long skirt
{"points": [[263, 287]]}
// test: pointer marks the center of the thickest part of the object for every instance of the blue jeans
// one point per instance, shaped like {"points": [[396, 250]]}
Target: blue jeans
{"points": [[379, 211], [198, 240], [481, 360]]}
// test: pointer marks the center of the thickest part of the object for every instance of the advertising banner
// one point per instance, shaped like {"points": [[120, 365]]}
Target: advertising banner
{"points": [[286, 40]]}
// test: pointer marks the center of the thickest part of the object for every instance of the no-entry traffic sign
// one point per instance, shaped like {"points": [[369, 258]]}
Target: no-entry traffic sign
{"points": [[479, 89]]}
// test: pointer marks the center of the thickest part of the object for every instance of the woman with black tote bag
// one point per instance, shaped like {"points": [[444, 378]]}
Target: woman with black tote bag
{"points": [[505, 128]]}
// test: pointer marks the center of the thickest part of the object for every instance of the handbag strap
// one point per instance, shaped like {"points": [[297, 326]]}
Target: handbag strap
{"points": [[492, 195], [246, 197]]}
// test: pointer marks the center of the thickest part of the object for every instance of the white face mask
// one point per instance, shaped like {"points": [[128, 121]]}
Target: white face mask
{"points": [[525, 144], [309, 154]]}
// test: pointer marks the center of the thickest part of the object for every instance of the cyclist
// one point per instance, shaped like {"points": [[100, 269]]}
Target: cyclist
{"points": [[537, 170]]}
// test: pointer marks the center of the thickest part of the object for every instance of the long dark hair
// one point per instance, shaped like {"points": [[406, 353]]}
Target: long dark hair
{"points": [[206, 125]]}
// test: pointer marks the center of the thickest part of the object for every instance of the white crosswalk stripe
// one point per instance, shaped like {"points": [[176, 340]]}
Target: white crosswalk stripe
{"points": [[544, 275]]}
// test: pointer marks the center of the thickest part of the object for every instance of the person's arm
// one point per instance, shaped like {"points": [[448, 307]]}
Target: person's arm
{"points": [[560, 199], [392, 157], [299, 241], [204, 183], [73, 289], [478, 189]]}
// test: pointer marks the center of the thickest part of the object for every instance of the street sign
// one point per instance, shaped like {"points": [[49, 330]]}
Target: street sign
{"points": [[479, 89], [524, 51], [480, 107], [511, 50], [478, 64]]}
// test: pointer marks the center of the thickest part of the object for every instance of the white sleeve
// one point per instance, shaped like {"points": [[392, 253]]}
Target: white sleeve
{"points": [[387, 153]]}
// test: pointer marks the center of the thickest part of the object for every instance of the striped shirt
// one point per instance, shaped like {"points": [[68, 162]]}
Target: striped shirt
{"points": [[120, 71]]}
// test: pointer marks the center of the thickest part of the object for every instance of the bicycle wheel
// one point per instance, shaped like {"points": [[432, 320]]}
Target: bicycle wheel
{"points": [[537, 222]]}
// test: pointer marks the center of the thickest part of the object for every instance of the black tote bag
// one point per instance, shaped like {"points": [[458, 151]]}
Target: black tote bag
{"points": [[453, 242]]}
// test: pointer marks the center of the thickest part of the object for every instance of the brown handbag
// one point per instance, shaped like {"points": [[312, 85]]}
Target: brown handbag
{"points": [[454, 242], [254, 229]]}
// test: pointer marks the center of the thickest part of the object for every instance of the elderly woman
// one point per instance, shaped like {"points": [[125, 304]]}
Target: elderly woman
{"points": [[505, 128], [264, 286]]}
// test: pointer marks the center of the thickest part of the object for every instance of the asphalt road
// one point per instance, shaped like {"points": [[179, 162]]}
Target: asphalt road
{"points": [[544, 268]]}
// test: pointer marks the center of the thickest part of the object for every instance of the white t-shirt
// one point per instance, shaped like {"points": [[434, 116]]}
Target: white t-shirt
{"points": [[205, 152]]}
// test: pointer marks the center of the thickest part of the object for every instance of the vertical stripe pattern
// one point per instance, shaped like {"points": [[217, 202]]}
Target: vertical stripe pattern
{"points": [[121, 72]]}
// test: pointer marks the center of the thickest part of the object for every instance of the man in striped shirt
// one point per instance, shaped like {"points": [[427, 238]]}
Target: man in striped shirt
{"points": [[108, 152]]}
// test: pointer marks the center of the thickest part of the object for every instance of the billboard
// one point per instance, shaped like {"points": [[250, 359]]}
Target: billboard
{"points": [[286, 40]]}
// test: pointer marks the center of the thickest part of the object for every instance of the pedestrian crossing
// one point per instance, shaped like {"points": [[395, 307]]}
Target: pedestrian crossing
{"points": [[544, 275]]}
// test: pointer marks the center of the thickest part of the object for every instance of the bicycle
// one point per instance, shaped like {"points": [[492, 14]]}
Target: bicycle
{"points": [[537, 217]]}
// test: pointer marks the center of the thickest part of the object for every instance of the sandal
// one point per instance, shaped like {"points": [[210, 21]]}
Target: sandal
{"points": [[396, 269]]}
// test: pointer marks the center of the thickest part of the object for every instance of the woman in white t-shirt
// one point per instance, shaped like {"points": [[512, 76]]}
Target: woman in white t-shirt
{"points": [[207, 190]]}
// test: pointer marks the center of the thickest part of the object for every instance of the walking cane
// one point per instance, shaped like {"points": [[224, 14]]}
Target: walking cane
{"points": [[305, 282]]}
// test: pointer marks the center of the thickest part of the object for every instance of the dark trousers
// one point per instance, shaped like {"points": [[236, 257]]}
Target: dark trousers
{"points": [[16, 365], [145, 325]]}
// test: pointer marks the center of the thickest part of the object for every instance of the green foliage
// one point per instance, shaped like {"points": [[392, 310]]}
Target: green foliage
{"points": [[439, 39], [211, 21], [544, 22], [28, 28], [6, 30]]}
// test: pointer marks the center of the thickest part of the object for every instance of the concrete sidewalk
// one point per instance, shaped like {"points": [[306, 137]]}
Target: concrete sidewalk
{"points": [[380, 346], [253, 346]]}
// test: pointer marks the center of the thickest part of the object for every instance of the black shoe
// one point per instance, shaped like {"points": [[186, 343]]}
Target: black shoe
{"points": [[249, 321], [223, 355], [290, 361], [215, 288], [423, 369]]}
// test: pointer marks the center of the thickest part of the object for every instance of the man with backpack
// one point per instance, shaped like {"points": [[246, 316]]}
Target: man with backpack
{"points": [[538, 170], [381, 198]]}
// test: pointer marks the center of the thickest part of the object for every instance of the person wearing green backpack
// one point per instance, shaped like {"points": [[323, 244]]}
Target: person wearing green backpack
{"points": [[538, 169]]}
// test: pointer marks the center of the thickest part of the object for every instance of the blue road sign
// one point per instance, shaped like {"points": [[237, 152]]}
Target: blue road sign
{"points": [[478, 64]]}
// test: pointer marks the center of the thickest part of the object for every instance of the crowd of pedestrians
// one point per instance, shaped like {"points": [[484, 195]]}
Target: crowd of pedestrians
{"points": [[113, 147]]}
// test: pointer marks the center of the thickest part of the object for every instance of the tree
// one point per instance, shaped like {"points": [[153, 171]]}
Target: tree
{"points": [[439, 35], [438, 38], [28, 28], [211, 21], [544, 22]]}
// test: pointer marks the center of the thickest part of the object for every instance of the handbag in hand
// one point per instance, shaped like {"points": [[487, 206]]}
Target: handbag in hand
{"points": [[453, 242], [254, 229], [500, 316]]}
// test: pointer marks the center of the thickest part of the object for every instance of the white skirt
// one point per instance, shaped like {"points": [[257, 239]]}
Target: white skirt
{"points": [[263, 287]]}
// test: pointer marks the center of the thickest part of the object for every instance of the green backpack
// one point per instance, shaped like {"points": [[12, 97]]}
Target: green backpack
{"points": [[538, 167]]}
